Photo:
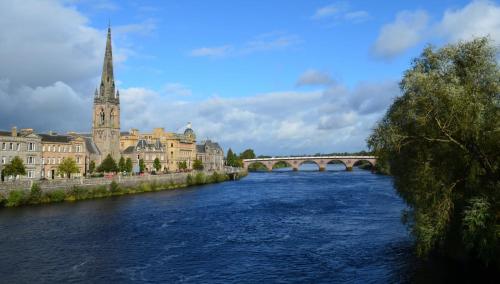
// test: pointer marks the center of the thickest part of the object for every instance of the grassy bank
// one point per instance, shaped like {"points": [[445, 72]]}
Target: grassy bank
{"points": [[36, 195]]}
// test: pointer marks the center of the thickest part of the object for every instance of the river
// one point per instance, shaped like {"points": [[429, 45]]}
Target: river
{"points": [[284, 226]]}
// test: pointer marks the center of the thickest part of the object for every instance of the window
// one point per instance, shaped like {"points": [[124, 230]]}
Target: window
{"points": [[64, 149], [59, 149], [11, 146], [31, 146], [30, 160], [70, 148], [18, 146], [78, 160], [43, 161], [43, 148], [59, 160], [4, 161], [78, 148], [171, 144], [4, 146], [31, 174], [53, 161]]}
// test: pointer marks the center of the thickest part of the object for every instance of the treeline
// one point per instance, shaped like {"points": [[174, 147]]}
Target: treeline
{"points": [[440, 141]]}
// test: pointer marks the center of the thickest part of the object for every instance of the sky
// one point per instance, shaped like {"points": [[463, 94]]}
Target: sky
{"points": [[281, 77]]}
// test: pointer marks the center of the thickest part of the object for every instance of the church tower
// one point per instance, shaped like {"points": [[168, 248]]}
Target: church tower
{"points": [[106, 117]]}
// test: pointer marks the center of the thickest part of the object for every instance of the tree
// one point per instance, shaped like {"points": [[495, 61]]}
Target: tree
{"points": [[92, 166], [15, 168], [108, 165], [232, 159], [67, 167], [182, 165], [247, 154], [198, 165], [440, 142], [128, 165], [142, 167], [157, 164], [121, 165]]}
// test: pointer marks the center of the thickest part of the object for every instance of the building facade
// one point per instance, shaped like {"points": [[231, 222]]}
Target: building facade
{"points": [[55, 148], [24, 144], [211, 155]]}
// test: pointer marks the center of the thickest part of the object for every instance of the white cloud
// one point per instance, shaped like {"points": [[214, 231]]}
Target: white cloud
{"points": [[340, 11], [478, 18], [314, 78], [329, 11], [218, 51], [177, 89], [260, 43], [406, 31]]}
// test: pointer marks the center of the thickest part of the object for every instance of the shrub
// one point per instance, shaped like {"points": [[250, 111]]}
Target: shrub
{"points": [[200, 178], [16, 197], [189, 180], [35, 194], [114, 187], [57, 195]]}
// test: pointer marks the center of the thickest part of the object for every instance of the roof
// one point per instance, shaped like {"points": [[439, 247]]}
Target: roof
{"points": [[55, 138], [91, 146], [5, 133], [200, 148], [129, 150]]}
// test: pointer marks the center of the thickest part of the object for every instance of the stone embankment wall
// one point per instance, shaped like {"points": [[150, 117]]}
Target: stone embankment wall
{"points": [[127, 181]]}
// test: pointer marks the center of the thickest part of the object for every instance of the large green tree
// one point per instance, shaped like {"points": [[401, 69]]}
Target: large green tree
{"points": [[128, 165], [157, 164], [108, 165], [232, 159], [142, 166], [247, 154], [15, 168], [67, 167], [121, 165], [440, 141], [198, 165]]}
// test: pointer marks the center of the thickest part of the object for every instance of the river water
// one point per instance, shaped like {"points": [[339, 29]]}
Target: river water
{"points": [[303, 227]]}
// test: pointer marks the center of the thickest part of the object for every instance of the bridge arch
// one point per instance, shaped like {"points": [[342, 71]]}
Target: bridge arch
{"points": [[311, 161], [337, 161], [261, 165], [288, 164]]}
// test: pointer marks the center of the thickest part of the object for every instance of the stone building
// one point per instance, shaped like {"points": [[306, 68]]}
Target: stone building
{"points": [[56, 147], [148, 152], [173, 147], [211, 155], [26, 145]]}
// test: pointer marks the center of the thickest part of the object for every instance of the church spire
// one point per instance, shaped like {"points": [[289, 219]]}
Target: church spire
{"points": [[107, 87]]}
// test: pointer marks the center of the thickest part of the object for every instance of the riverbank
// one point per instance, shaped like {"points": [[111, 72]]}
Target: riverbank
{"points": [[14, 195]]}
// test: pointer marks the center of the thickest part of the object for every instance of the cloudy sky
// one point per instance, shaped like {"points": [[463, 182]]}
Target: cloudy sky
{"points": [[279, 76]]}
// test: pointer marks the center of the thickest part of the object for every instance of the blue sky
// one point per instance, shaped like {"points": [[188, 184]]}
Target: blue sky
{"points": [[282, 77]]}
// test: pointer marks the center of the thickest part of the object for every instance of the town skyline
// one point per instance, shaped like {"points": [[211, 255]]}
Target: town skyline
{"points": [[230, 84]]}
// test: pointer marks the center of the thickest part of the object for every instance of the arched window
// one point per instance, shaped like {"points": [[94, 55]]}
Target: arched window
{"points": [[112, 117], [102, 117]]}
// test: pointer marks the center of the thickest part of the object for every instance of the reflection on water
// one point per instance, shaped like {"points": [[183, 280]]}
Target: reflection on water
{"points": [[332, 226]]}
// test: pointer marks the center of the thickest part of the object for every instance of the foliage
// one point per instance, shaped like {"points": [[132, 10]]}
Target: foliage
{"points": [[142, 166], [198, 165], [182, 165], [57, 195], [128, 165], [16, 198], [92, 167], [67, 167], [121, 165], [440, 142], [108, 165], [15, 168], [199, 178], [247, 154], [35, 194], [157, 164], [113, 187], [189, 179], [232, 159]]}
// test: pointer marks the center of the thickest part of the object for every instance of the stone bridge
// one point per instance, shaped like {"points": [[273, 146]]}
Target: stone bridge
{"points": [[321, 161]]}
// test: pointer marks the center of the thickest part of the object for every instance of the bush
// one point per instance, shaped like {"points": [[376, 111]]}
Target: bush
{"points": [[35, 194], [200, 178], [114, 187], [16, 197], [189, 180], [57, 195]]}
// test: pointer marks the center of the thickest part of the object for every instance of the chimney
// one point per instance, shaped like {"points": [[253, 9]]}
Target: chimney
{"points": [[14, 131]]}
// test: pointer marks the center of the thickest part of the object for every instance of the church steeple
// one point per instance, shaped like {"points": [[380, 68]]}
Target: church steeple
{"points": [[107, 86]]}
